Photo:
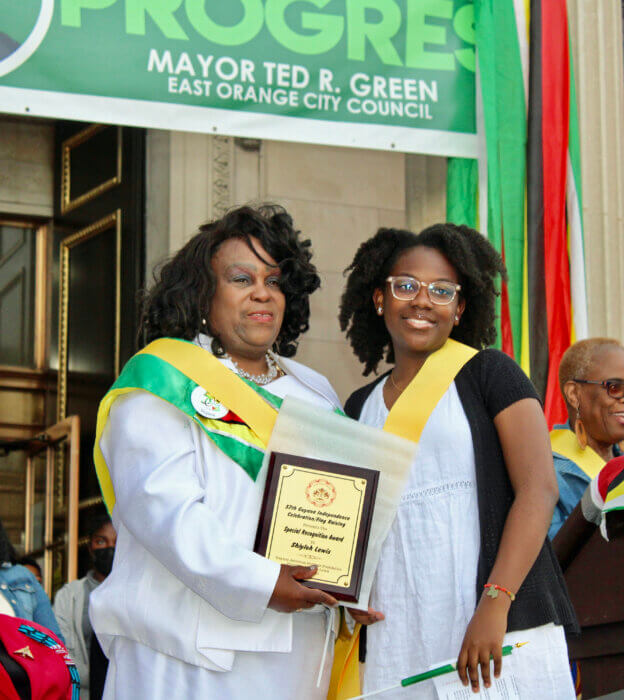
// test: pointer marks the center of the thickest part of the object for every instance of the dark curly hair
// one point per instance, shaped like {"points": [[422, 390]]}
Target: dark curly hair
{"points": [[185, 285], [477, 264]]}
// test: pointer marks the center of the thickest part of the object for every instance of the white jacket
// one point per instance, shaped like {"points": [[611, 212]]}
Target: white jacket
{"points": [[185, 580]]}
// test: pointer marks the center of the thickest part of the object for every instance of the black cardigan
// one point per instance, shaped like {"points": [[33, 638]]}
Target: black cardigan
{"points": [[488, 383]]}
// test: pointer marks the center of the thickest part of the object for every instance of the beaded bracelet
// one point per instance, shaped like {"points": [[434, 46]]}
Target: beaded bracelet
{"points": [[494, 588]]}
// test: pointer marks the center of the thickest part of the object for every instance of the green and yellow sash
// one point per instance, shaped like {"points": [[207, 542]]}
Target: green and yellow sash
{"points": [[172, 369], [563, 441]]}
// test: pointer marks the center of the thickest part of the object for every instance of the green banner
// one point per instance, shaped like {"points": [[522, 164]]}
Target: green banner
{"points": [[391, 74]]}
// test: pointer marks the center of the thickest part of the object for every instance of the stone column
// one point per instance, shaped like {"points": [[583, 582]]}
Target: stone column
{"points": [[425, 191], [191, 179], [596, 34]]}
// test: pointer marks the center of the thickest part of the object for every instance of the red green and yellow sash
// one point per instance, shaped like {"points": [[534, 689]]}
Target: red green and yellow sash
{"points": [[171, 369]]}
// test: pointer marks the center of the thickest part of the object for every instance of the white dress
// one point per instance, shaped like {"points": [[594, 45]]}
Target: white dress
{"points": [[185, 517], [425, 581]]}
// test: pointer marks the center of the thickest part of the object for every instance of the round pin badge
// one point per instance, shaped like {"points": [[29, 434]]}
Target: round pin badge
{"points": [[206, 405]]}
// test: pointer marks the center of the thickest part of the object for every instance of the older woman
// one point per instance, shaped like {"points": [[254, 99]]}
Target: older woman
{"points": [[189, 610], [591, 379]]}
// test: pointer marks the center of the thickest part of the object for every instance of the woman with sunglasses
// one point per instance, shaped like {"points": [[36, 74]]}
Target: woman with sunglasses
{"points": [[466, 566], [591, 380]]}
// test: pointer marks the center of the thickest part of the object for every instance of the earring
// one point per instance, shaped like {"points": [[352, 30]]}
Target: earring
{"points": [[456, 317], [380, 310], [579, 431], [203, 321]]}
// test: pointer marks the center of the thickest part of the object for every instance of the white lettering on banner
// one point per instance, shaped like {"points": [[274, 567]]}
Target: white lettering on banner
{"points": [[387, 108], [326, 78], [205, 62], [190, 87], [286, 75], [226, 68], [229, 69], [393, 88], [161, 64], [262, 95], [371, 95], [184, 64], [313, 100]]}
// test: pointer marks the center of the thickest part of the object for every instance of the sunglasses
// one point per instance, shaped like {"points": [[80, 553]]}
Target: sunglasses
{"points": [[613, 387]]}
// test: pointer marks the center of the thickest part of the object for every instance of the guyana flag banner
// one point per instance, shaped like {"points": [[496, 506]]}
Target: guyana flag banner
{"points": [[525, 191]]}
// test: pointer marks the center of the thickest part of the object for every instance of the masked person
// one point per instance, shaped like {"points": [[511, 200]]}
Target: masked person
{"points": [[71, 604]]}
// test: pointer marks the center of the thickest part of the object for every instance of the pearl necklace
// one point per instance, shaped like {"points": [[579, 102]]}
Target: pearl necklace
{"points": [[261, 379]]}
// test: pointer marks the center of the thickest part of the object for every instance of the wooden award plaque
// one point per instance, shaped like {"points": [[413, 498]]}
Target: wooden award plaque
{"points": [[318, 512]]}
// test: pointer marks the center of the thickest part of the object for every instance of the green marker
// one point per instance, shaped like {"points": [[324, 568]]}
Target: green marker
{"points": [[440, 671]]}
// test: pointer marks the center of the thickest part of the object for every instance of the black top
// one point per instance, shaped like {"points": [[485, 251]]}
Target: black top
{"points": [[487, 384]]}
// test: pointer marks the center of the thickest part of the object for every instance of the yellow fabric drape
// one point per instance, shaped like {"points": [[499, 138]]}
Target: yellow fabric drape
{"points": [[345, 675], [411, 411], [563, 441]]}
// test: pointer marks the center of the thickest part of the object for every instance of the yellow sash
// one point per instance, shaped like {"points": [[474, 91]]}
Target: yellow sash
{"points": [[204, 369], [563, 441], [407, 418], [411, 411]]}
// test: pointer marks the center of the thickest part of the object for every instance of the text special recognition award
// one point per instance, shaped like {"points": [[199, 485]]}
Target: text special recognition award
{"points": [[317, 512]]}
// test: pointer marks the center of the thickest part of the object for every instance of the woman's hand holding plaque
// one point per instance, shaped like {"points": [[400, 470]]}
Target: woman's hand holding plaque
{"points": [[291, 596]]}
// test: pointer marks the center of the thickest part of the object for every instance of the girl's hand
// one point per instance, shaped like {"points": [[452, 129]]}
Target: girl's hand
{"points": [[366, 617], [484, 638]]}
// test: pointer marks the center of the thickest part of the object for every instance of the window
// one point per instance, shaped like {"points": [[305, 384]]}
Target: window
{"points": [[23, 263]]}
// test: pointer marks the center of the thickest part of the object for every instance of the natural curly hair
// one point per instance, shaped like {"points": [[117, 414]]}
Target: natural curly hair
{"points": [[477, 264], [185, 285]]}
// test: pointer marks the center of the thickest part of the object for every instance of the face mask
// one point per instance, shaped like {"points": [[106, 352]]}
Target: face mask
{"points": [[103, 560]]}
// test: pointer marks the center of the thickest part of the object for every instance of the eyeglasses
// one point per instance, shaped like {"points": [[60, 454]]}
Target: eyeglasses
{"points": [[406, 288], [613, 387]]}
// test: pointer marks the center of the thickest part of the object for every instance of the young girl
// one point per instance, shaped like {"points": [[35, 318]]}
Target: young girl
{"points": [[465, 567]]}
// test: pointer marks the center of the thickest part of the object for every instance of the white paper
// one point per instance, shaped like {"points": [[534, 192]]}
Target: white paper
{"points": [[449, 687], [337, 438]]}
